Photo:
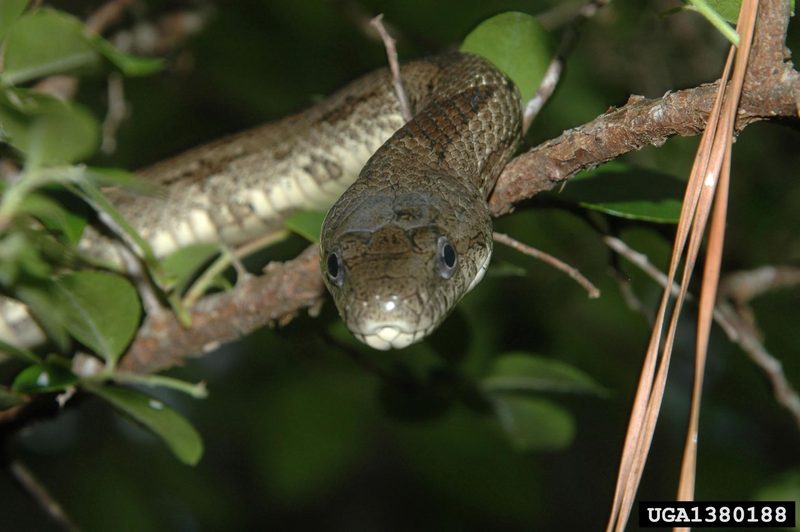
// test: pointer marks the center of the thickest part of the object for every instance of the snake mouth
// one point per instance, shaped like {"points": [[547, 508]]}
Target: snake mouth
{"points": [[385, 336]]}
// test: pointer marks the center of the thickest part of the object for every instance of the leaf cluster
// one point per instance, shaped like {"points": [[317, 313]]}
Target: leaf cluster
{"points": [[47, 201]]}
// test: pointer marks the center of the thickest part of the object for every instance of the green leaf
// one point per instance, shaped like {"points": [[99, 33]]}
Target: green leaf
{"points": [[18, 352], [54, 216], [727, 9], [21, 258], [41, 301], [628, 192], [179, 435], [129, 65], [10, 10], [99, 309], [524, 372], [198, 390], [69, 48], [307, 224], [44, 378], [716, 19], [717, 12], [47, 42], [94, 197], [183, 264], [115, 177], [534, 424], [46, 129], [517, 44]]}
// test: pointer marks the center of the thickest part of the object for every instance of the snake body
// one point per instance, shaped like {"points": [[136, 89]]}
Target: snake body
{"points": [[410, 235]]}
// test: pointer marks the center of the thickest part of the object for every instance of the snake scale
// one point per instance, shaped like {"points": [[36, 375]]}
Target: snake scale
{"points": [[410, 232]]}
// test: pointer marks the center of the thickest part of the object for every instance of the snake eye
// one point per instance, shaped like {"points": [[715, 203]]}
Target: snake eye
{"points": [[335, 269], [446, 258]]}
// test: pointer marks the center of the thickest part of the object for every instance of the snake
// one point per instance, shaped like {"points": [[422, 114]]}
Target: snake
{"points": [[408, 231]]}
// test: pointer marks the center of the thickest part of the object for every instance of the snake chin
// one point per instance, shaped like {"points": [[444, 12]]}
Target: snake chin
{"points": [[385, 337]]}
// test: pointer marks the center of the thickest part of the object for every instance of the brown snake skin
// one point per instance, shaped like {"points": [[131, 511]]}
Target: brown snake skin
{"points": [[413, 234], [421, 196]]}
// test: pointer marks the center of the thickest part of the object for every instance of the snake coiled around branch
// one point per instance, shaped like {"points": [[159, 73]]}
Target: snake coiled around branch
{"points": [[408, 238]]}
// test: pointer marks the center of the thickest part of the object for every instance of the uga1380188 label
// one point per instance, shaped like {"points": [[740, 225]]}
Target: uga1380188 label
{"points": [[703, 514]]}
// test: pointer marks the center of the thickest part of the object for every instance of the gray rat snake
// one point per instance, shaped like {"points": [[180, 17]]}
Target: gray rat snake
{"points": [[410, 232]]}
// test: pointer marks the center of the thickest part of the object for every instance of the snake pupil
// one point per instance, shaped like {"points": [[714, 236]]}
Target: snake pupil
{"points": [[447, 258], [449, 255], [335, 271]]}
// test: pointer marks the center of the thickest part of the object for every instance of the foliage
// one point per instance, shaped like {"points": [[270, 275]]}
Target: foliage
{"points": [[40, 224], [518, 44]]}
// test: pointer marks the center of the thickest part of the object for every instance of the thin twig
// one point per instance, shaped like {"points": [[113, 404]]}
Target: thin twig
{"points": [[226, 258], [715, 19], [630, 297], [743, 286], [576, 275], [737, 328], [360, 17], [41, 495], [117, 110], [391, 54], [164, 35], [147, 292], [748, 339], [546, 89], [641, 261], [554, 70], [65, 87], [108, 14]]}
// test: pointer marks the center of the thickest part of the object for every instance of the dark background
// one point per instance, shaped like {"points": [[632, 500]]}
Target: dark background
{"points": [[301, 433]]}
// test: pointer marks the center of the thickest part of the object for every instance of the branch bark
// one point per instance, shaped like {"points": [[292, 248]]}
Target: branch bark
{"points": [[273, 298], [772, 90]]}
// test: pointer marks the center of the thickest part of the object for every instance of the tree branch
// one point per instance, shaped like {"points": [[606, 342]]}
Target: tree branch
{"points": [[273, 298], [772, 90], [41, 495]]}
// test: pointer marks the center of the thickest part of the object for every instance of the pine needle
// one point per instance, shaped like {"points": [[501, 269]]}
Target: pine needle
{"points": [[711, 167]]}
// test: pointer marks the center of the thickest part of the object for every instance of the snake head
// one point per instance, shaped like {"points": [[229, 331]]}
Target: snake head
{"points": [[397, 263]]}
